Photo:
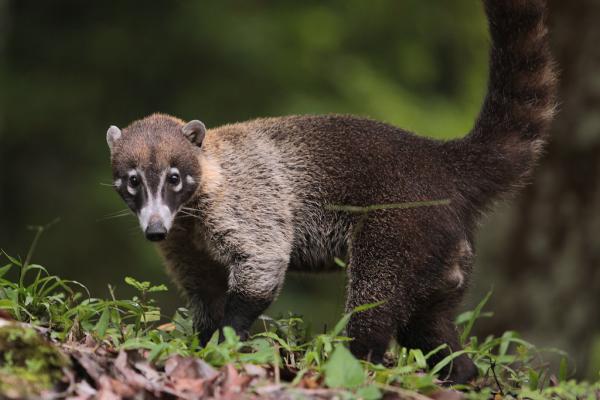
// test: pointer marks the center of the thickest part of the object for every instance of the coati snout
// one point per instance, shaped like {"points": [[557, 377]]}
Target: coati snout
{"points": [[236, 206], [156, 171]]}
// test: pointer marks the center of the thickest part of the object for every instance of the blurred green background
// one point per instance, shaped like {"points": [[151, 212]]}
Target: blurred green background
{"points": [[69, 69]]}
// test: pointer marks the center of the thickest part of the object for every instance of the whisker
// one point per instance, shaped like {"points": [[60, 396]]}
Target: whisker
{"points": [[124, 210], [133, 230], [107, 184], [186, 212], [117, 214], [189, 209], [113, 217], [190, 214]]}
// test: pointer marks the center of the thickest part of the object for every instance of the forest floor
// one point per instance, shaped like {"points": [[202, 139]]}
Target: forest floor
{"points": [[56, 341]]}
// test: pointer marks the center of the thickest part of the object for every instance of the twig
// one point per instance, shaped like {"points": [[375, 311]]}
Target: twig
{"points": [[276, 362], [39, 230], [493, 368], [378, 207]]}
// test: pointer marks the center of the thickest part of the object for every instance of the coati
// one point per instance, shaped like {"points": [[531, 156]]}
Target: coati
{"points": [[234, 207]]}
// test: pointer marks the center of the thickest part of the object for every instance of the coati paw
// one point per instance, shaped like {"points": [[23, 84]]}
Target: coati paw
{"points": [[243, 335], [463, 371]]}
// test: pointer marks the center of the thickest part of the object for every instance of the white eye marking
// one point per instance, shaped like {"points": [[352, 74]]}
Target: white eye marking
{"points": [[118, 182], [179, 186], [132, 190], [190, 180]]}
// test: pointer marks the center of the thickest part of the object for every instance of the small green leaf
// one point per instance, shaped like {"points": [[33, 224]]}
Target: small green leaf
{"points": [[7, 304], [152, 316], [156, 351], [230, 337], [366, 307], [214, 339], [339, 327], [419, 358], [141, 286], [263, 353], [446, 361], [435, 351], [473, 317], [534, 379], [103, 322], [12, 259], [506, 341], [5, 269], [342, 370], [273, 336], [158, 288], [371, 392], [563, 371]]}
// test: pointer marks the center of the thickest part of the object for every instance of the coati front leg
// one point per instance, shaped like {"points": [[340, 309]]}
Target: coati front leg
{"points": [[256, 247], [203, 281], [254, 283]]}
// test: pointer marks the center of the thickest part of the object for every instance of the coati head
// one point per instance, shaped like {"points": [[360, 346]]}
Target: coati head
{"points": [[155, 168]]}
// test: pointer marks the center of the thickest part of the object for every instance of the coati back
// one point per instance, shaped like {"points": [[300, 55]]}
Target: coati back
{"points": [[234, 207]]}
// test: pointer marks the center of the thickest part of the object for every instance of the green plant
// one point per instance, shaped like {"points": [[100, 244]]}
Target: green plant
{"points": [[508, 365]]}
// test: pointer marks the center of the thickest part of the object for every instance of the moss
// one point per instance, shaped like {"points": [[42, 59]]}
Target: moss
{"points": [[28, 363]]}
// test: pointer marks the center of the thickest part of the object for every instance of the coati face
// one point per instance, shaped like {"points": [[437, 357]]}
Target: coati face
{"points": [[155, 168]]}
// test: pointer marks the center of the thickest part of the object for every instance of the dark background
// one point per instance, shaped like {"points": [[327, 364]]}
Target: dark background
{"points": [[69, 69]]}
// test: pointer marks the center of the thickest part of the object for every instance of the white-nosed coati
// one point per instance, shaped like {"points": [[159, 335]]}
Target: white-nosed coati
{"points": [[235, 207]]}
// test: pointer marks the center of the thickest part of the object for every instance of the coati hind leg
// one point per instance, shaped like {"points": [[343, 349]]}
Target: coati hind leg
{"points": [[429, 330], [391, 260], [376, 262], [432, 325]]}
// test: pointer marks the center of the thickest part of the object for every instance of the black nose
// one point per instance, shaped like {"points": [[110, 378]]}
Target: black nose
{"points": [[156, 231]]}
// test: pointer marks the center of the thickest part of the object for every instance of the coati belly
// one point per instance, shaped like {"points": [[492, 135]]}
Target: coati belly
{"points": [[318, 241]]}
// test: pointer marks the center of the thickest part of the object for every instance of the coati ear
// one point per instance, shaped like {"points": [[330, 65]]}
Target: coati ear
{"points": [[194, 131], [112, 135]]}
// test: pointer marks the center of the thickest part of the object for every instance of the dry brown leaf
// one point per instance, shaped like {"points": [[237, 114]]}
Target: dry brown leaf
{"points": [[132, 377], [193, 387], [446, 395], [83, 390], [178, 367], [110, 388], [148, 371], [255, 370], [234, 381], [89, 364], [168, 327]]}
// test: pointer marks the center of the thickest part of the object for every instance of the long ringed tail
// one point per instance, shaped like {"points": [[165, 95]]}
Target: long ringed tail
{"points": [[513, 125]]}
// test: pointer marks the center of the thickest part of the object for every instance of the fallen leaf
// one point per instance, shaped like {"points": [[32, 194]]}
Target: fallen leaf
{"points": [[168, 327], [255, 370], [446, 395], [178, 367]]}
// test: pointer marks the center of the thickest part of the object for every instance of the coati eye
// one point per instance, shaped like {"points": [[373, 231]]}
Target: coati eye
{"points": [[134, 181], [174, 178]]}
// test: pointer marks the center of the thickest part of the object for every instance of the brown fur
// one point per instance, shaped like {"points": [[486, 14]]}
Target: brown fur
{"points": [[264, 187]]}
